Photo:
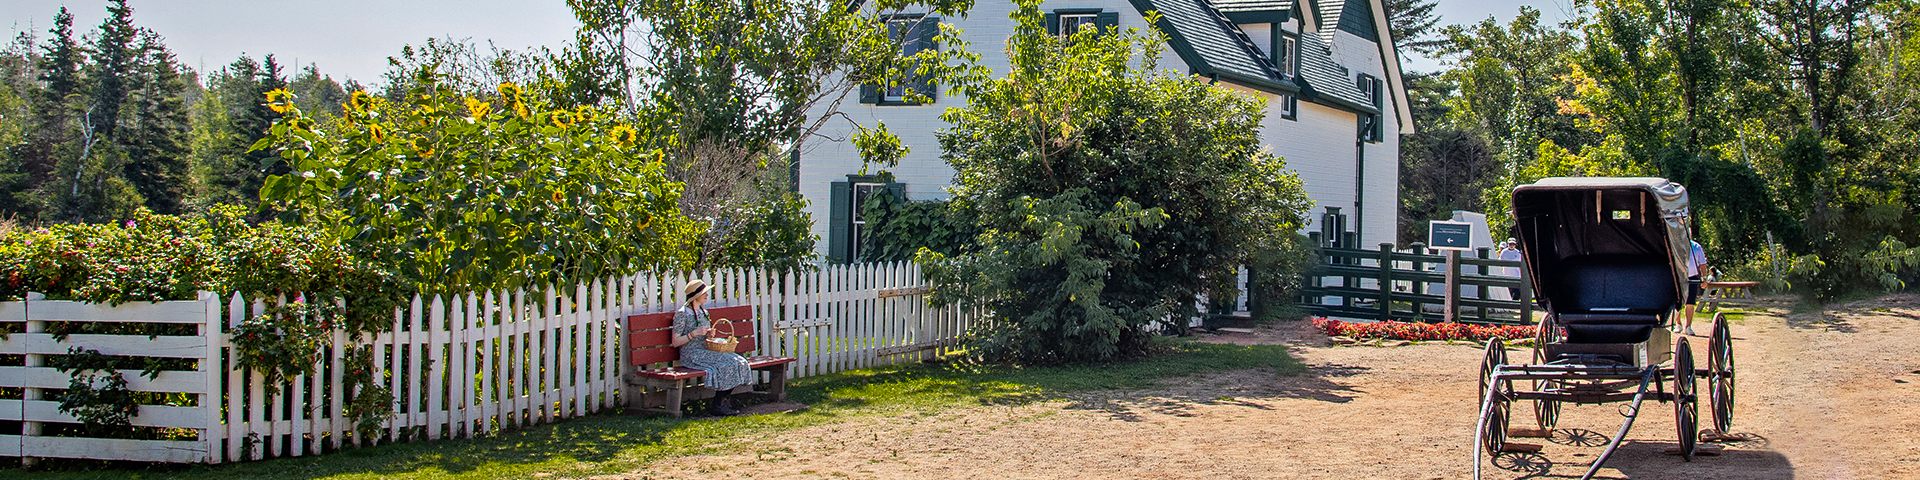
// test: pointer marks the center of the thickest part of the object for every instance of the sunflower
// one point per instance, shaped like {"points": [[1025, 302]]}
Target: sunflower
{"points": [[509, 91], [360, 101], [280, 100], [422, 146], [562, 119], [478, 109], [625, 135], [520, 109], [379, 134]]}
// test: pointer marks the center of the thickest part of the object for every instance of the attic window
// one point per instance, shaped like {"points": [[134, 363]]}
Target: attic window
{"points": [[1286, 53]]}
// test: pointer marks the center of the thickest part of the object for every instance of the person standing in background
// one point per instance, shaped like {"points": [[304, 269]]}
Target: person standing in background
{"points": [[1697, 269]]}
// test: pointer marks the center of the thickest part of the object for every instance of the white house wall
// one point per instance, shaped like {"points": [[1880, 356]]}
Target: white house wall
{"points": [[1319, 145]]}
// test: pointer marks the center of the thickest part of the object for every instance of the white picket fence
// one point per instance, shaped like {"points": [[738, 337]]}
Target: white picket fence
{"points": [[457, 366]]}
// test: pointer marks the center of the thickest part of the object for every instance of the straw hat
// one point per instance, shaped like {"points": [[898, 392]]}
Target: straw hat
{"points": [[694, 289]]}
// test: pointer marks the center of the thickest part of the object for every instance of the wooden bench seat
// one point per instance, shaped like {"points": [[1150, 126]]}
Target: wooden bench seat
{"points": [[654, 363], [1717, 294]]}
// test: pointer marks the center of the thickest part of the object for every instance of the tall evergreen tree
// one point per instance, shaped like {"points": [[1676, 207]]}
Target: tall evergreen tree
{"points": [[234, 174], [154, 137]]}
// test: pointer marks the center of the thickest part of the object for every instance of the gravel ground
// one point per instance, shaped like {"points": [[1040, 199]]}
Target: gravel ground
{"points": [[1821, 395]]}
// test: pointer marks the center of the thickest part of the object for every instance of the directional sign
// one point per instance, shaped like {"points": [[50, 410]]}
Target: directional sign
{"points": [[1449, 235]]}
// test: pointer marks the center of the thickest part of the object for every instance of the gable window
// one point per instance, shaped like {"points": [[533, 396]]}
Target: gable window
{"points": [[914, 34], [1067, 21], [1286, 53], [1370, 128], [848, 201]]}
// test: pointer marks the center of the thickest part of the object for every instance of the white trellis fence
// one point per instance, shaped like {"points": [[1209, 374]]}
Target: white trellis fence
{"points": [[457, 366]]}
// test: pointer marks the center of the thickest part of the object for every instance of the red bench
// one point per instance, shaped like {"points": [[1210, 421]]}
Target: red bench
{"points": [[654, 363]]}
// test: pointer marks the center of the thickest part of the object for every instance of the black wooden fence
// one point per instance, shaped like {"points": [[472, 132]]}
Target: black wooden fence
{"points": [[1390, 284]]}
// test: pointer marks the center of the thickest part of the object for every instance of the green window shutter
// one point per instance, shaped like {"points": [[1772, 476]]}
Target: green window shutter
{"points": [[899, 191], [839, 219], [1053, 23], [1108, 22], [924, 33]]}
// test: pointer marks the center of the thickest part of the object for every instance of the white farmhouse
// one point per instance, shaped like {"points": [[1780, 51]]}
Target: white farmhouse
{"points": [[1327, 68]]}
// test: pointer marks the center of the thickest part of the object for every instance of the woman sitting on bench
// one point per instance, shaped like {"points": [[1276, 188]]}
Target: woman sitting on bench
{"points": [[724, 370]]}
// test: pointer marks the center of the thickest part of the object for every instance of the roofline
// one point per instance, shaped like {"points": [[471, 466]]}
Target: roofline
{"points": [[1390, 59], [1280, 87], [1175, 40], [1259, 16]]}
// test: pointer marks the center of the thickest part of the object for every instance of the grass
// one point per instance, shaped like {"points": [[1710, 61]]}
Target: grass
{"points": [[613, 443]]}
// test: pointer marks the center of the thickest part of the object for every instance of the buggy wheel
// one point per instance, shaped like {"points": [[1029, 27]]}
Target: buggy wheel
{"points": [[1493, 434], [1546, 413], [1686, 404], [1720, 376]]}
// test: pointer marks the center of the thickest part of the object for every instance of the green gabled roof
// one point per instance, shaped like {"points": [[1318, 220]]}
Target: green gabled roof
{"points": [[1357, 18], [1229, 6], [1213, 46], [1322, 80], [1255, 11]]}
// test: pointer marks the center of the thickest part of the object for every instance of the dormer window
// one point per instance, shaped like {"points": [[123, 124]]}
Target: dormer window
{"points": [[1286, 53]]}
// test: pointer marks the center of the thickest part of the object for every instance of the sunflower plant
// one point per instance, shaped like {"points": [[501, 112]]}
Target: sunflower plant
{"points": [[479, 190]]}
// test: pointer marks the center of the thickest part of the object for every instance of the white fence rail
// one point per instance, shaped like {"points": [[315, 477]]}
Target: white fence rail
{"points": [[457, 366]]}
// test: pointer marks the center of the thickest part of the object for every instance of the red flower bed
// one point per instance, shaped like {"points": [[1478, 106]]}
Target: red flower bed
{"points": [[1423, 331]]}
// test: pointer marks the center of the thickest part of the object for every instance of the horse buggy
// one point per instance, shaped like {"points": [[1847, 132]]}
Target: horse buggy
{"points": [[1607, 258]]}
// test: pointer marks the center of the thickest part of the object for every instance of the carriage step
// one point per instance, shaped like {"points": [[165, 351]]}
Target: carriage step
{"points": [[1698, 450], [1529, 432], [1511, 447], [1712, 436]]}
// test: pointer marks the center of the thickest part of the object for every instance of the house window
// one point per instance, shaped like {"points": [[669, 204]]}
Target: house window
{"points": [[847, 218], [1289, 107], [1286, 53], [1071, 24], [1067, 21], [914, 34], [1370, 124], [858, 229]]}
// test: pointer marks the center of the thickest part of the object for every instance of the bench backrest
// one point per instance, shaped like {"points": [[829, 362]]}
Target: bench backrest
{"points": [[650, 335]]}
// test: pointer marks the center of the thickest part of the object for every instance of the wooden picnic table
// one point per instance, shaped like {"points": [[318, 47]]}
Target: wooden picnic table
{"points": [[1717, 293]]}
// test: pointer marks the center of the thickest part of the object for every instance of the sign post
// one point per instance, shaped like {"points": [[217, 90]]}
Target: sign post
{"points": [[1454, 237]]}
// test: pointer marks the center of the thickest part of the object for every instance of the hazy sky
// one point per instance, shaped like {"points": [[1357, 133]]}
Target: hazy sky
{"points": [[344, 38], [353, 38]]}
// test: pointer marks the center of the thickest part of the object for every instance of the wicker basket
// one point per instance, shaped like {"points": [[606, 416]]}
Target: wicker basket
{"points": [[722, 344]]}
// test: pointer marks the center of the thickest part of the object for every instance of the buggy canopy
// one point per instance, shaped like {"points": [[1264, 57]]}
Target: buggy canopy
{"points": [[1598, 245]]}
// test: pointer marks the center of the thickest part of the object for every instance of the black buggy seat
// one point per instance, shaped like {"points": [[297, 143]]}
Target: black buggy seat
{"points": [[1606, 255]]}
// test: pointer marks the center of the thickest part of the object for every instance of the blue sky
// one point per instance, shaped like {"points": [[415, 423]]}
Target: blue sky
{"points": [[353, 38]]}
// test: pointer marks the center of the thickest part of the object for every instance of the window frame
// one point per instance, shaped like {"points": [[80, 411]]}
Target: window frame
{"points": [[882, 94]]}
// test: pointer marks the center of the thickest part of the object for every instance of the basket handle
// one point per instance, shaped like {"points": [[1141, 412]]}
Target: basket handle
{"points": [[715, 328]]}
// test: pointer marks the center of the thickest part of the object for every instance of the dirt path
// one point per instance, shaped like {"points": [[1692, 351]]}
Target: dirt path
{"points": [[1828, 395]]}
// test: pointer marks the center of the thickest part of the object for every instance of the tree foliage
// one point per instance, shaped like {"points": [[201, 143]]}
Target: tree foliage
{"points": [[1110, 194], [727, 89]]}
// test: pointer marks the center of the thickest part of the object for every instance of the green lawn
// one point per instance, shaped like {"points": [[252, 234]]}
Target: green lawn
{"points": [[617, 443]]}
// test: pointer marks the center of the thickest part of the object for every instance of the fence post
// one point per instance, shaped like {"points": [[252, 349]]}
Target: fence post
{"points": [[1419, 249], [28, 430], [1314, 281], [1453, 285], [1480, 291], [1386, 281]]}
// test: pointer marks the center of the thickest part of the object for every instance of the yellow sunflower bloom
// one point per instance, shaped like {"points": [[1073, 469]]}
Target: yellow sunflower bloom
{"points": [[562, 119], [422, 146], [520, 109], [280, 100], [625, 135], [360, 101], [379, 134], [478, 109], [509, 91]]}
